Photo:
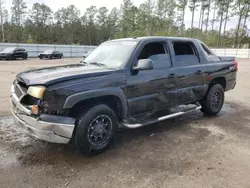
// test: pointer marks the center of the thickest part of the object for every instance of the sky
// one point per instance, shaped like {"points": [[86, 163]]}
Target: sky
{"points": [[84, 4]]}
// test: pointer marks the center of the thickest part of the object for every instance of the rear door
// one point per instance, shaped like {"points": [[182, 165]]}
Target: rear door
{"points": [[151, 90], [188, 70]]}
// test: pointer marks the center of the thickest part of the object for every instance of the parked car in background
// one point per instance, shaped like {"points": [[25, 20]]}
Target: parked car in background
{"points": [[50, 54], [13, 53]]}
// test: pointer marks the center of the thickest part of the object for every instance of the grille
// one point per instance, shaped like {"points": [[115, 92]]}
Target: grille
{"points": [[23, 87], [18, 92], [20, 89]]}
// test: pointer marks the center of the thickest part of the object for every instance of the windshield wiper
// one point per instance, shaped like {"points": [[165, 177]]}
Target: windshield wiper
{"points": [[98, 64]]}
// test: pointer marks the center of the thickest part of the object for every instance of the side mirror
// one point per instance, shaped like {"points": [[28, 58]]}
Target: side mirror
{"points": [[144, 64]]}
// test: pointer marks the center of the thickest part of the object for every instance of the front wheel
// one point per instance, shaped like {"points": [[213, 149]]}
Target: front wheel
{"points": [[214, 100], [95, 129]]}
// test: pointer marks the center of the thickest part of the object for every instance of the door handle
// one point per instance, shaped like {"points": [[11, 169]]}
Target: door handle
{"points": [[172, 75]]}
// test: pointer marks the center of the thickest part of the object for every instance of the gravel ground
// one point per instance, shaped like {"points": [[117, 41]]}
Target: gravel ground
{"points": [[187, 151]]}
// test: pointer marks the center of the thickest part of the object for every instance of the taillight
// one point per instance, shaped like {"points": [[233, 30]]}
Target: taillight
{"points": [[236, 64]]}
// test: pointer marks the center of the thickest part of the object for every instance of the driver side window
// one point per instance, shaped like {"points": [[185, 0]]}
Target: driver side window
{"points": [[158, 53]]}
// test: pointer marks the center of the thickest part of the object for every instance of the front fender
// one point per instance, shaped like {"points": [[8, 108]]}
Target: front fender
{"points": [[78, 97]]}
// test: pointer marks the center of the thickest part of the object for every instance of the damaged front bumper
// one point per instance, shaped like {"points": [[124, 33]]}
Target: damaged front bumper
{"points": [[54, 129]]}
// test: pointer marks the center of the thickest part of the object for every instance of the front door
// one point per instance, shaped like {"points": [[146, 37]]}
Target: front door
{"points": [[151, 90]]}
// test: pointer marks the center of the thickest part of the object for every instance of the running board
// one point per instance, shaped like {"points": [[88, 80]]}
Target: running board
{"points": [[137, 125]]}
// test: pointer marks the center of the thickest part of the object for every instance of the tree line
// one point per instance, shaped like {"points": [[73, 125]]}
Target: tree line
{"points": [[151, 18]]}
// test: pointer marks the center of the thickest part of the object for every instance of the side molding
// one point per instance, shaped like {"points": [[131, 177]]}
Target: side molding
{"points": [[75, 98]]}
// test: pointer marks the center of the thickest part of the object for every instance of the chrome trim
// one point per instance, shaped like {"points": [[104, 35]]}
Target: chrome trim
{"points": [[16, 101], [21, 89], [46, 135], [42, 127], [134, 126]]}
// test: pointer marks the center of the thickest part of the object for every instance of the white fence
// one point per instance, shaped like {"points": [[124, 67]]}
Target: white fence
{"points": [[239, 53], [34, 49]]}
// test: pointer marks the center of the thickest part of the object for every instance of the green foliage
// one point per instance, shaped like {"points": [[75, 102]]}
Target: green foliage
{"points": [[30, 40], [153, 17]]}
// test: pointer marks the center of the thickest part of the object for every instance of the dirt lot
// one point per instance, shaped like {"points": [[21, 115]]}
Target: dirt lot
{"points": [[188, 151]]}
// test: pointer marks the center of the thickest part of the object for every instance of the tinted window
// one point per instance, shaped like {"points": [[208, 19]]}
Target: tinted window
{"points": [[210, 56], [185, 53], [158, 53], [206, 50], [19, 50]]}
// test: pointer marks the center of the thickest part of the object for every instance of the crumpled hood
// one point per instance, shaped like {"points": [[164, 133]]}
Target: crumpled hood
{"points": [[50, 75]]}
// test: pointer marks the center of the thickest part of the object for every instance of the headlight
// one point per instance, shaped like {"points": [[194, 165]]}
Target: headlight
{"points": [[36, 91]]}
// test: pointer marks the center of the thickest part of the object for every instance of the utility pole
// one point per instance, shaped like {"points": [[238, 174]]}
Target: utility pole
{"points": [[1, 15]]}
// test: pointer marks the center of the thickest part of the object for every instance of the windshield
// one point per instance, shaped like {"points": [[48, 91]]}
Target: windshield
{"points": [[8, 50], [111, 54], [48, 51]]}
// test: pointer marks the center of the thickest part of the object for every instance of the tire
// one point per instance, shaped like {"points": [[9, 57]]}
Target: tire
{"points": [[12, 57], [50, 57], [91, 137], [25, 56], [214, 100]]}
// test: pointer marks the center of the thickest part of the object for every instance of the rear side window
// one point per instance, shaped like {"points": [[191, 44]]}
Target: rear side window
{"points": [[158, 53], [185, 53], [209, 55], [20, 50], [206, 50]]}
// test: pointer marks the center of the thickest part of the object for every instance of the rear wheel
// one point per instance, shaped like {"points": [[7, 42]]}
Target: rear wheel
{"points": [[95, 129], [12, 57], [213, 102], [25, 56]]}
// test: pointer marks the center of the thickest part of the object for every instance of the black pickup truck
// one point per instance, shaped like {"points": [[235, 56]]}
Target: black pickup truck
{"points": [[128, 82]]}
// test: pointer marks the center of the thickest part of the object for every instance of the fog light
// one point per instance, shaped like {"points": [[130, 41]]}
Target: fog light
{"points": [[35, 109]]}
